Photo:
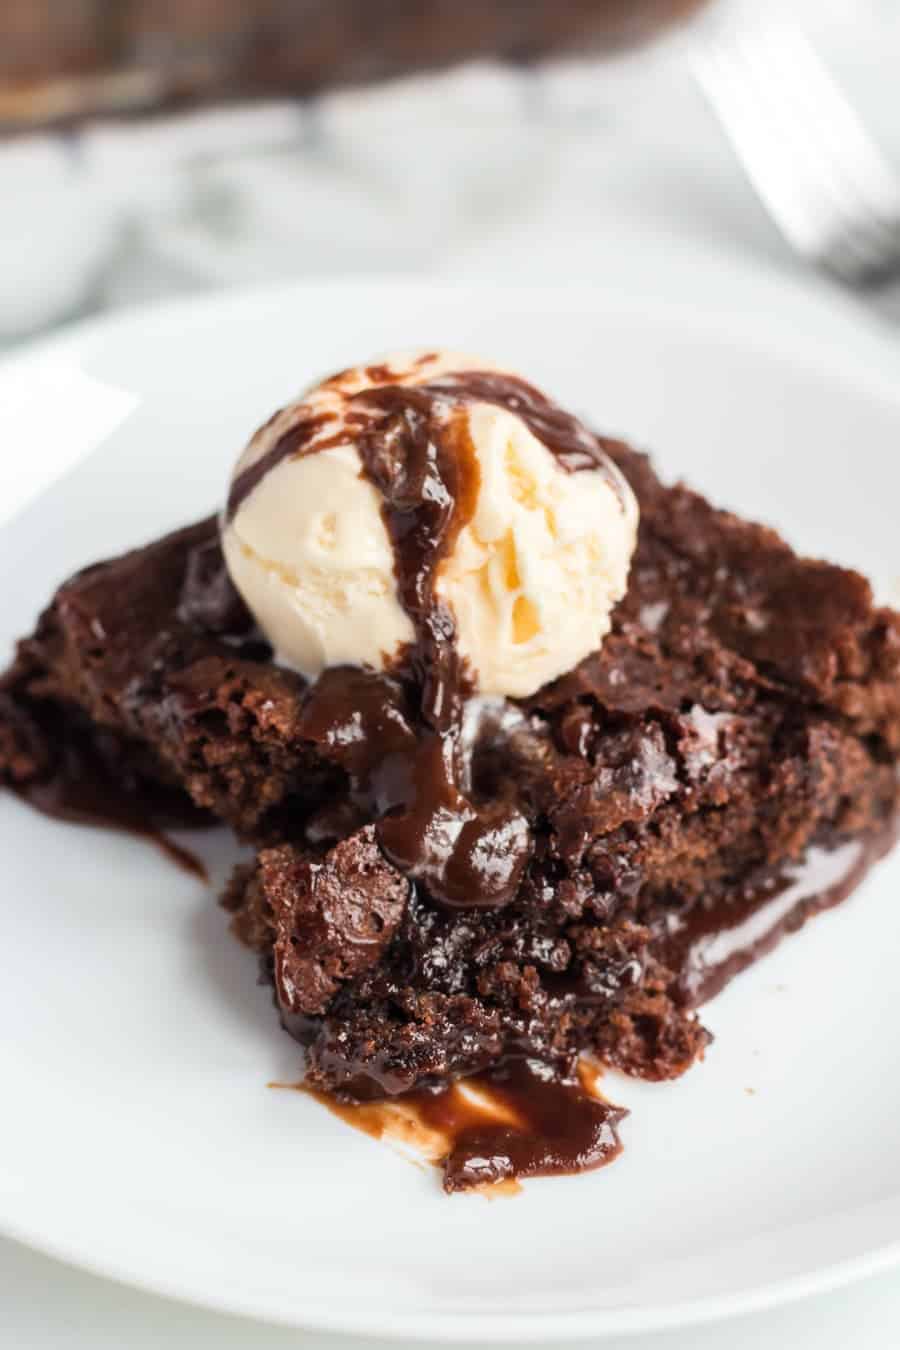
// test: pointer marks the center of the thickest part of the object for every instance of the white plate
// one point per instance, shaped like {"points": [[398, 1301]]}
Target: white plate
{"points": [[139, 1136]]}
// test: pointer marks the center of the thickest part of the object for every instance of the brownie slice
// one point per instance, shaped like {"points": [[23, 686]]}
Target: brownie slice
{"points": [[155, 653], [725, 765]]}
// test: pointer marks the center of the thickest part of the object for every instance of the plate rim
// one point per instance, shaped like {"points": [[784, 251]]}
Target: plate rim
{"points": [[498, 1328], [854, 366], [807, 347]]}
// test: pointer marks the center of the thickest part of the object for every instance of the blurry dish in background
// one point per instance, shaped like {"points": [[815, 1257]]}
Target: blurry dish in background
{"points": [[63, 60], [822, 177]]}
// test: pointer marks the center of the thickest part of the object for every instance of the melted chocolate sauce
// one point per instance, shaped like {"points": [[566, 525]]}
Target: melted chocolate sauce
{"points": [[424, 465], [81, 792], [516, 1120], [209, 598], [293, 442], [573, 444], [554, 1127], [412, 765], [709, 946], [519, 1118]]}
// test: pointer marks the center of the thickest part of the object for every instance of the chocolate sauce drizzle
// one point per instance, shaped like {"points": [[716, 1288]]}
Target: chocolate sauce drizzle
{"points": [[415, 448], [79, 790], [572, 443]]}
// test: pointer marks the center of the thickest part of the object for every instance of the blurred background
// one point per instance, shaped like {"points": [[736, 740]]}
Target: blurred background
{"points": [[150, 147]]}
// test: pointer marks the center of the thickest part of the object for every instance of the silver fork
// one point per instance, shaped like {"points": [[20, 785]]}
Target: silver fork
{"points": [[820, 175]]}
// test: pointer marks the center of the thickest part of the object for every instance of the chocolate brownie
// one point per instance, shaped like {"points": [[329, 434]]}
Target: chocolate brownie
{"points": [[725, 765]]}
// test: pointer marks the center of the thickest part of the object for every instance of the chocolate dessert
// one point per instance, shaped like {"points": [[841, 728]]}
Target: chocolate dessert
{"points": [[451, 881], [66, 59]]}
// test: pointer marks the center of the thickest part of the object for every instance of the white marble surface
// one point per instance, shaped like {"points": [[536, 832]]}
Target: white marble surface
{"points": [[477, 171], [591, 159]]}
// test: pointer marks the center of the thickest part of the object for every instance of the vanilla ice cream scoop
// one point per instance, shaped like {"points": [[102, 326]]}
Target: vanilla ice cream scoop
{"points": [[435, 473]]}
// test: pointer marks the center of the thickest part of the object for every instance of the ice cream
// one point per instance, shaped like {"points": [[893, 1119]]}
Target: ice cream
{"points": [[538, 558]]}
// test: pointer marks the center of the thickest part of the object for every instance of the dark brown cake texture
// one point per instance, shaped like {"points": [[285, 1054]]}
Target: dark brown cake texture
{"points": [[722, 768]]}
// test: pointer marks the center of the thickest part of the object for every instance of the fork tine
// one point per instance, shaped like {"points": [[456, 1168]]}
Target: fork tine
{"points": [[823, 180], [833, 132], [792, 142], [848, 142], [746, 118], [854, 188]]}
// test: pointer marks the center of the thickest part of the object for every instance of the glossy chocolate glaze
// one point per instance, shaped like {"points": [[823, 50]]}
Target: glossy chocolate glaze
{"points": [[516, 1120], [573, 444], [294, 442], [552, 1127], [521, 1118], [79, 790], [209, 599], [710, 945], [414, 447]]}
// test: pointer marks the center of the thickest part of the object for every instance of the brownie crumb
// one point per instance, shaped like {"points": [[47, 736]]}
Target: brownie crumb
{"points": [[331, 917]]}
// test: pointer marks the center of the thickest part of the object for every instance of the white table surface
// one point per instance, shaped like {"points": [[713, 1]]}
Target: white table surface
{"points": [[654, 181]]}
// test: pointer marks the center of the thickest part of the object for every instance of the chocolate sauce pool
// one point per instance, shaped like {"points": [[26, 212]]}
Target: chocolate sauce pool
{"points": [[516, 1120], [712, 944], [413, 767], [80, 791], [522, 1120]]}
